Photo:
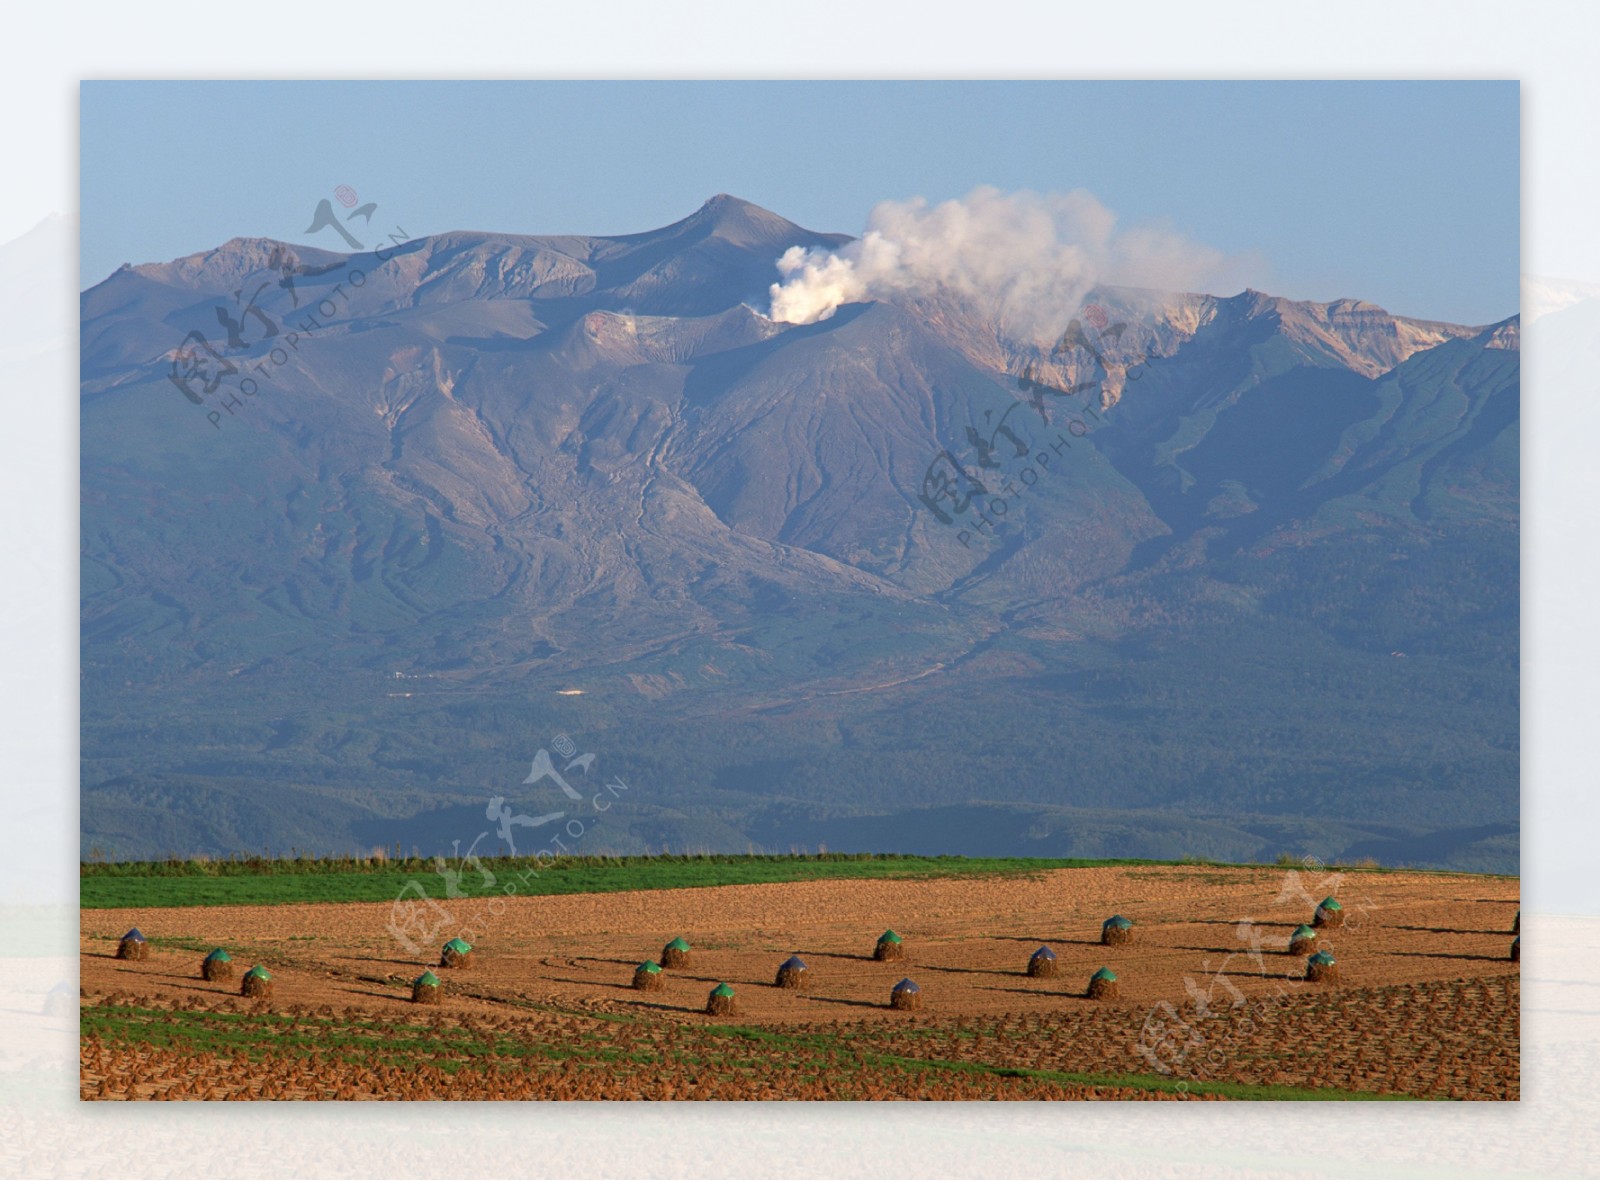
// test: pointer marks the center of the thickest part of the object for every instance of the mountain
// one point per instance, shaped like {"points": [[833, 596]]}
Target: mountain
{"points": [[1241, 577]]}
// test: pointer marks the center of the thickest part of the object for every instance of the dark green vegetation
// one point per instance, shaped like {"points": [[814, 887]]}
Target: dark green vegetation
{"points": [[264, 881], [1268, 602], [258, 881]]}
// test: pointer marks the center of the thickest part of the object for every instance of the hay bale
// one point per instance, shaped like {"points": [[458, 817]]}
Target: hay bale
{"points": [[257, 983], [1516, 950], [720, 1002], [1103, 986], [1042, 963], [427, 990], [1302, 941], [890, 947], [647, 977], [132, 946], [906, 996], [456, 954], [1516, 924], [793, 974], [1321, 968], [675, 954], [217, 966], [1329, 913], [1116, 930]]}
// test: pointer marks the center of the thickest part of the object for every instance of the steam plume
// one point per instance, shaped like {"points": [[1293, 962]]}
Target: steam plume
{"points": [[1023, 258]]}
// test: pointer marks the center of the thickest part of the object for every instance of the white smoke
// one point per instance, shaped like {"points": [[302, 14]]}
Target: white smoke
{"points": [[1023, 258]]}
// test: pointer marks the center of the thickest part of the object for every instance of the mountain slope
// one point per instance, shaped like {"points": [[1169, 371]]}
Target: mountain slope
{"points": [[505, 486]]}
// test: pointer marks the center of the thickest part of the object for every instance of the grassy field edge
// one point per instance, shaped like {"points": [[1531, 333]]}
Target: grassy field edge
{"points": [[258, 1037], [263, 881]]}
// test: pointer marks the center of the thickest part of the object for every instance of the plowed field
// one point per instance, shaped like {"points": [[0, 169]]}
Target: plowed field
{"points": [[1210, 1003]]}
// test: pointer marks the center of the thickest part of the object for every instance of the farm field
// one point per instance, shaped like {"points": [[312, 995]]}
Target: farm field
{"points": [[263, 880], [1209, 1004]]}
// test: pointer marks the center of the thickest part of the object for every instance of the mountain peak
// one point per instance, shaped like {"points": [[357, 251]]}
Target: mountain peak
{"points": [[744, 223]]}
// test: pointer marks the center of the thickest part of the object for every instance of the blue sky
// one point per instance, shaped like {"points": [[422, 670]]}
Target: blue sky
{"points": [[1402, 193]]}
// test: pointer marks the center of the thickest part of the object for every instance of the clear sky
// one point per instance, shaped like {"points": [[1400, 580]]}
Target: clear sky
{"points": [[1402, 193]]}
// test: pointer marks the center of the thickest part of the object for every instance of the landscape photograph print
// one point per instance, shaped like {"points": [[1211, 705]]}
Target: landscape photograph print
{"points": [[799, 591]]}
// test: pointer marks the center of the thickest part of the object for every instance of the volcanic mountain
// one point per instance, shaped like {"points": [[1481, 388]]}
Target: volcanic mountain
{"points": [[363, 532]]}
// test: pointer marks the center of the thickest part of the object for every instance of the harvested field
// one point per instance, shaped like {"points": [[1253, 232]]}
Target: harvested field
{"points": [[1209, 1002]]}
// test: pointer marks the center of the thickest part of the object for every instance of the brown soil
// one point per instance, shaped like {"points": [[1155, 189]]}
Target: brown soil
{"points": [[1201, 928]]}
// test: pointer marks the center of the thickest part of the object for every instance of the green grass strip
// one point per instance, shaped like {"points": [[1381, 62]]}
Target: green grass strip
{"points": [[1142, 1082], [267, 881]]}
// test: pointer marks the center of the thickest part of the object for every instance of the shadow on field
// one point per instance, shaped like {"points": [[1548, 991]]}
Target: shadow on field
{"points": [[665, 1008], [593, 983], [194, 984], [1036, 941], [839, 1000], [1037, 992], [1444, 955], [1449, 931], [972, 971], [1240, 949], [382, 996], [834, 955]]}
